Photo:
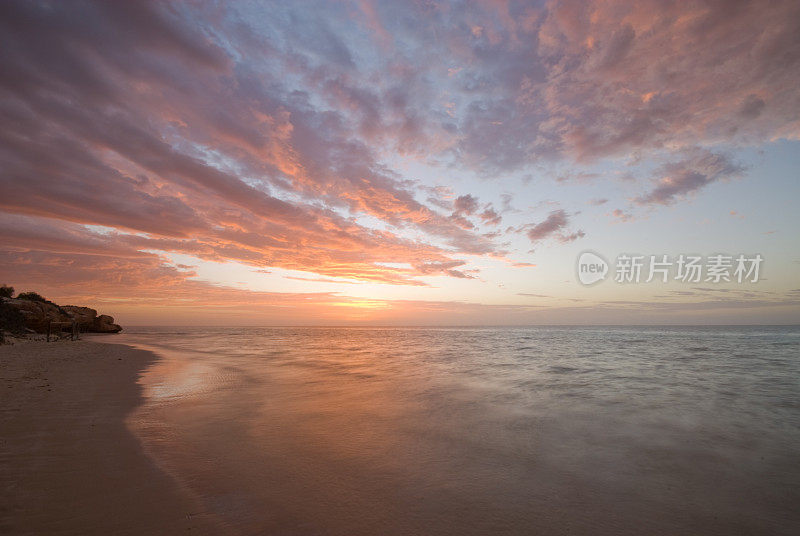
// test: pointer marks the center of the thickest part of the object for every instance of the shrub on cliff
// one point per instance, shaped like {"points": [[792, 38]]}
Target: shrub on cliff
{"points": [[36, 297], [11, 320], [32, 296], [6, 291]]}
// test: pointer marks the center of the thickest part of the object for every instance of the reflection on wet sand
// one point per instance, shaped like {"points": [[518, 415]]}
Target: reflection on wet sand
{"points": [[549, 431]]}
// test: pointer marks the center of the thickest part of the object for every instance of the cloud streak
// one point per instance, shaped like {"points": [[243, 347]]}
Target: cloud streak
{"points": [[553, 226], [699, 169]]}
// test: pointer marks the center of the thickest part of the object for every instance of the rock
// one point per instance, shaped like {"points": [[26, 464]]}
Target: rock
{"points": [[38, 316], [89, 321], [105, 324], [85, 316]]}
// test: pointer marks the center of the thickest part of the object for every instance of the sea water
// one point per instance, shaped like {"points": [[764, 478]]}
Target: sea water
{"points": [[479, 431]]}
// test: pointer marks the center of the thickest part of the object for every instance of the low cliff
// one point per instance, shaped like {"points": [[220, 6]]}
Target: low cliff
{"points": [[37, 316]]}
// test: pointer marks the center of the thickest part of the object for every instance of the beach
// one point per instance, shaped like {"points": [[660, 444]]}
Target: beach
{"points": [[403, 431], [399, 268], [68, 462]]}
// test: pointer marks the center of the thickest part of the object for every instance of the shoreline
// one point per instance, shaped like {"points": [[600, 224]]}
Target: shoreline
{"points": [[68, 461], [216, 434]]}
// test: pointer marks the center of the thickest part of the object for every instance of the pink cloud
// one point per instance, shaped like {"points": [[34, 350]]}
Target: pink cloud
{"points": [[698, 169], [621, 216], [553, 226], [198, 130]]}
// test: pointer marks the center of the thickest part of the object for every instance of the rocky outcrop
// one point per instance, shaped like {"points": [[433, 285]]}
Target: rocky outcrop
{"points": [[89, 320], [39, 314]]}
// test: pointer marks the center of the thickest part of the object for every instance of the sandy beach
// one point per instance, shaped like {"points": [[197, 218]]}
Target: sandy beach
{"points": [[68, 463], [347, 432]]}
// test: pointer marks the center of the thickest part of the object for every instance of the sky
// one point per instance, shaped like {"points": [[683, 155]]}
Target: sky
{"points": [[400, 163]]}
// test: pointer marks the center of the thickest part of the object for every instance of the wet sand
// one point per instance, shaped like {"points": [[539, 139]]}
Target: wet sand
{"points": [[402, 432], [68, 463], [459, 432]]}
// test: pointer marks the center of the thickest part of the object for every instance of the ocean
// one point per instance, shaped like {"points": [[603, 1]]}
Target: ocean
{"points": [[479, 431]]}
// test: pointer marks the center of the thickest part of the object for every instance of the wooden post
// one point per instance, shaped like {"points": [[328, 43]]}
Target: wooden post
{"points": [[48, 331]]}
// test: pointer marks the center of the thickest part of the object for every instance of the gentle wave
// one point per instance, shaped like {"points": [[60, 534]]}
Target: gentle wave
{"points": [[556, 430]]}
